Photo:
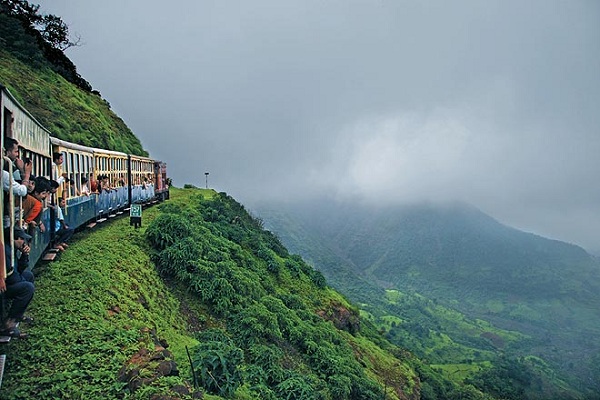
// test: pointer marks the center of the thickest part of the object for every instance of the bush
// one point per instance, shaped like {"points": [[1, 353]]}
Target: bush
{"points": [[167, 229], [217, 359], [179, 258]]}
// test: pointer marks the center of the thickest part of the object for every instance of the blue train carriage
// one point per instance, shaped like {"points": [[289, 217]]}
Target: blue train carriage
{"points": [[142, 179], [78, 164], [111, 170], [161, 182], [34, 144]]}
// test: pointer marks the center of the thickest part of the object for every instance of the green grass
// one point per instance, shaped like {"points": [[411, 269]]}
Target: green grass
{"points": [[93, 309]]}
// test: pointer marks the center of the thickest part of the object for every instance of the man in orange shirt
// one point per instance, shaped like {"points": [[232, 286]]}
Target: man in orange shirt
{"points": [[32, 204]]}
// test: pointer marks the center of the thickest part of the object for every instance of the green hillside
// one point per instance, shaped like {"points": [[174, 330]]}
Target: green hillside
{"points": [[66, 110], [116, 315], [460, 289]]}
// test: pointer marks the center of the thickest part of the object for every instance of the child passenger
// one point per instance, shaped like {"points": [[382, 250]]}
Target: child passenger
{"points": [[62, 231]]}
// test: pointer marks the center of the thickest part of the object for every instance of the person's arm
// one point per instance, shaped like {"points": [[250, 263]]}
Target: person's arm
{"points": [[23, 261], [26, 172], [61, 218], [17, 188], [2, 270]]}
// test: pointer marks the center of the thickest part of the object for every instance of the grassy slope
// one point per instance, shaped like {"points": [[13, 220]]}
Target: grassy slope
{"points": [[92, 310], [102, 301], [68, 112]]}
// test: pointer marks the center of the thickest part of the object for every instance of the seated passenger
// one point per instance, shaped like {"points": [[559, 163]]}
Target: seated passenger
{"points": [[57, 174], [85, 190], [11, 150], [121, 182], [33, 203], [103, 184], [93, 184], [18, 189], [17, 285], [72, 188], [62, 231]]}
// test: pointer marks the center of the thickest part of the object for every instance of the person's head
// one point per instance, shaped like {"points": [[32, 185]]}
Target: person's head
{"points": [[62, 202], [53, 186], [42, 188], [11, 148], [57, 158], [21, 238], [30, 185], [84, 180]]}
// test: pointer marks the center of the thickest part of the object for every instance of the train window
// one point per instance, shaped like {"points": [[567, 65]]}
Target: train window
{"points": [[77, 172], [8, 119], [70, 164]]}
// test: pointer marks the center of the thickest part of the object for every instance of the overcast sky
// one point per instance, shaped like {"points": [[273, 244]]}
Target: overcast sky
{"points": [[493, 102]]}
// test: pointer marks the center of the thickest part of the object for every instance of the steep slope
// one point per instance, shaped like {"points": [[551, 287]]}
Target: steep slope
{"points": [[258, 322], [464, 260], [69, 112]]}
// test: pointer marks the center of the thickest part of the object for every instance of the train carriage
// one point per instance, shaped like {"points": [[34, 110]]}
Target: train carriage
{"points": [[111, 170], [34, 144], [33, 138], [142, 179], [129, 179], [78, 164], [161, 182]]}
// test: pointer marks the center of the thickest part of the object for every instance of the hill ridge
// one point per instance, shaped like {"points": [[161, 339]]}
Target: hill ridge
{"points": [[460, 258]]}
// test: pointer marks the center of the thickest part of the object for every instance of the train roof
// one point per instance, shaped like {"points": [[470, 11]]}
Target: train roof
{"points": [[70, 145], [5, 90]]}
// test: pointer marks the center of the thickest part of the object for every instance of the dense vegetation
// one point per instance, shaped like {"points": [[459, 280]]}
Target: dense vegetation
{"points": [[46, 83], [462, 291], [296, 337], [257, 321]]}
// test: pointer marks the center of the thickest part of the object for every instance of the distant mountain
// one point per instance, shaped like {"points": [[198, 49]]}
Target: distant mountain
{"points": [[462, 259]]}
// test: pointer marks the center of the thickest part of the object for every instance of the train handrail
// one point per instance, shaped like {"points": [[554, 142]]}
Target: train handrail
{"points": [[11, 211]]}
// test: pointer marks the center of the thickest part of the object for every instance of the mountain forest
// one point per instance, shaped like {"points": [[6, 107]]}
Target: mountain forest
{"points": [[476, 299]]}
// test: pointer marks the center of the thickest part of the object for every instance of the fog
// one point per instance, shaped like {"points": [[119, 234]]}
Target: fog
{"points": [[495, 103]]}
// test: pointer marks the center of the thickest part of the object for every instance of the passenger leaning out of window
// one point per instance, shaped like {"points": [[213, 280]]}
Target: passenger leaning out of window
{"points": [[17, 285]]}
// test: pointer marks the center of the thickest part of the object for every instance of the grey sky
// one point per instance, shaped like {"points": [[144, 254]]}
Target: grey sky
{"points": [[493, 102]]}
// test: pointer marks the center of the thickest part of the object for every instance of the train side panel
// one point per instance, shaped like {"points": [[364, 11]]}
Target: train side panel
{"points": [[34, 142], [114, 166], [142, 178], [161, 183]]}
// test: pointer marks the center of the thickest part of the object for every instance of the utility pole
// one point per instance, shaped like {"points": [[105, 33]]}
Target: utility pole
{"points": [[206, 175]]}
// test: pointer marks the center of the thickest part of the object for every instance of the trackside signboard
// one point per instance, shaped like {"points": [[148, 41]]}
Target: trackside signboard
{"points": [[135, 215]]}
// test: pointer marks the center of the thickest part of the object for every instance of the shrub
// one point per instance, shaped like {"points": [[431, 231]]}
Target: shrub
{"points": [[296, 388], [168, 229], [179, 258], [216, 358]]}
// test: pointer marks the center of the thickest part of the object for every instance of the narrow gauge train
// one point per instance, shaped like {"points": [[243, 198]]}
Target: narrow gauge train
{"points": [[132, 179]]}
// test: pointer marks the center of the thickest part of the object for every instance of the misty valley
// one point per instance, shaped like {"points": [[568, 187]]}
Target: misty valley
{"points": [[512, 313]]}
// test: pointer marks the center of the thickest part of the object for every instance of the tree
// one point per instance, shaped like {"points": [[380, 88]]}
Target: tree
{"points": [[56, 32], [51, 28]]}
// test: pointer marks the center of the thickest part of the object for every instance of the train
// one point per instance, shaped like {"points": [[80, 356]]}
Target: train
{"points": [[132, 179]]}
